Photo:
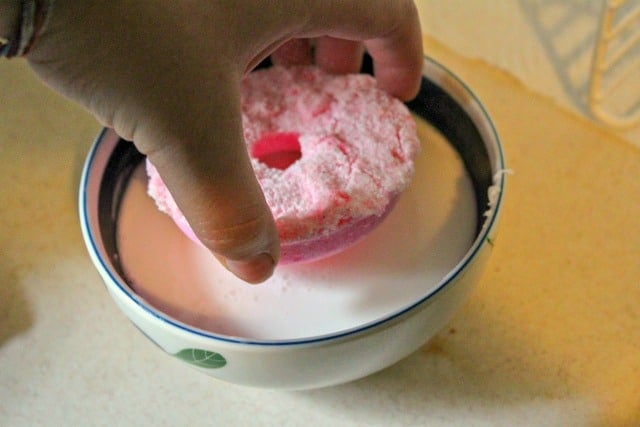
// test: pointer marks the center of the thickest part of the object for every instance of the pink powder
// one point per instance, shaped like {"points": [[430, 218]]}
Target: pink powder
{"points": [[328, 150]]}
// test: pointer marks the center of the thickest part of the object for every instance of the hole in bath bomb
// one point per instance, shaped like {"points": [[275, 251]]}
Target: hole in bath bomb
{"points": [[277, 150]]}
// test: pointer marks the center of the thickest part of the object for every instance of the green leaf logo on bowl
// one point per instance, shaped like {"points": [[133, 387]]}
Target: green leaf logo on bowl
{"points": [[202, 358]]}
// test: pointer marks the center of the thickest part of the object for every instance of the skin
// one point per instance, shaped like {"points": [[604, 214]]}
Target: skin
{"points": [[165, 74]]}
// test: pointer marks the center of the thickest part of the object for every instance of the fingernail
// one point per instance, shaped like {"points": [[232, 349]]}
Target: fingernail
{"points": [[254, 270]]}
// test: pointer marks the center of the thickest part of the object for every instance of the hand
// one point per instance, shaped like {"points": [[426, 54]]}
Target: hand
{"points": [[165, 74]]}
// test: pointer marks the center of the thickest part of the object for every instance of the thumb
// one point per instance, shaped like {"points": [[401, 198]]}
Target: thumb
{"points": [[203, 161], [178, 102]]}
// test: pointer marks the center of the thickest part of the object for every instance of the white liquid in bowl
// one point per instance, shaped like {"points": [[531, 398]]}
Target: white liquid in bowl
{"points": [[424, 238]]}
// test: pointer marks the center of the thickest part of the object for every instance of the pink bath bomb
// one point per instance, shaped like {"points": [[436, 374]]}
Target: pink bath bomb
{"points": [[332, 154]]}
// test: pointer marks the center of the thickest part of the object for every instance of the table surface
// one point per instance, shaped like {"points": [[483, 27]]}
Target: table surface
{"points": [[550, 336]]}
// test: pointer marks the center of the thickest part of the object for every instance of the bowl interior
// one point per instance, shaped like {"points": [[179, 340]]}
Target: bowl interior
{"points": [[436, 228]]}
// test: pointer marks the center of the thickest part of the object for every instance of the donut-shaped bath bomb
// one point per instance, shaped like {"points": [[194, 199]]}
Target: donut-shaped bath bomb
{"points": [[332, 154]]}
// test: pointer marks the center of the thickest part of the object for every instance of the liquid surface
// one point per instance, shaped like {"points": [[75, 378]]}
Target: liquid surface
{"points": [[404, 259]]}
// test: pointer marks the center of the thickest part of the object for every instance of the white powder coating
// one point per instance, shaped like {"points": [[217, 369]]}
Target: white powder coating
{"points": [[357, 146]]}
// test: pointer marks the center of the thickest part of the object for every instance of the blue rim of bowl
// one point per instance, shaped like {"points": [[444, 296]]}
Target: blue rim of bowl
{"points": [[480, 240]]}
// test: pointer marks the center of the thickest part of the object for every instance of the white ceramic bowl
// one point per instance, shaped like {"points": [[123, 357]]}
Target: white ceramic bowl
{"points": [[377, 328]]}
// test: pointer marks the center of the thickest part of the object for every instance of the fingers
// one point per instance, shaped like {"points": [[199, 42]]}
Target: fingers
{"points": [[177, 97], [390, 31], [338, 56], [397, 64], [293, 52], [204, 164]]}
